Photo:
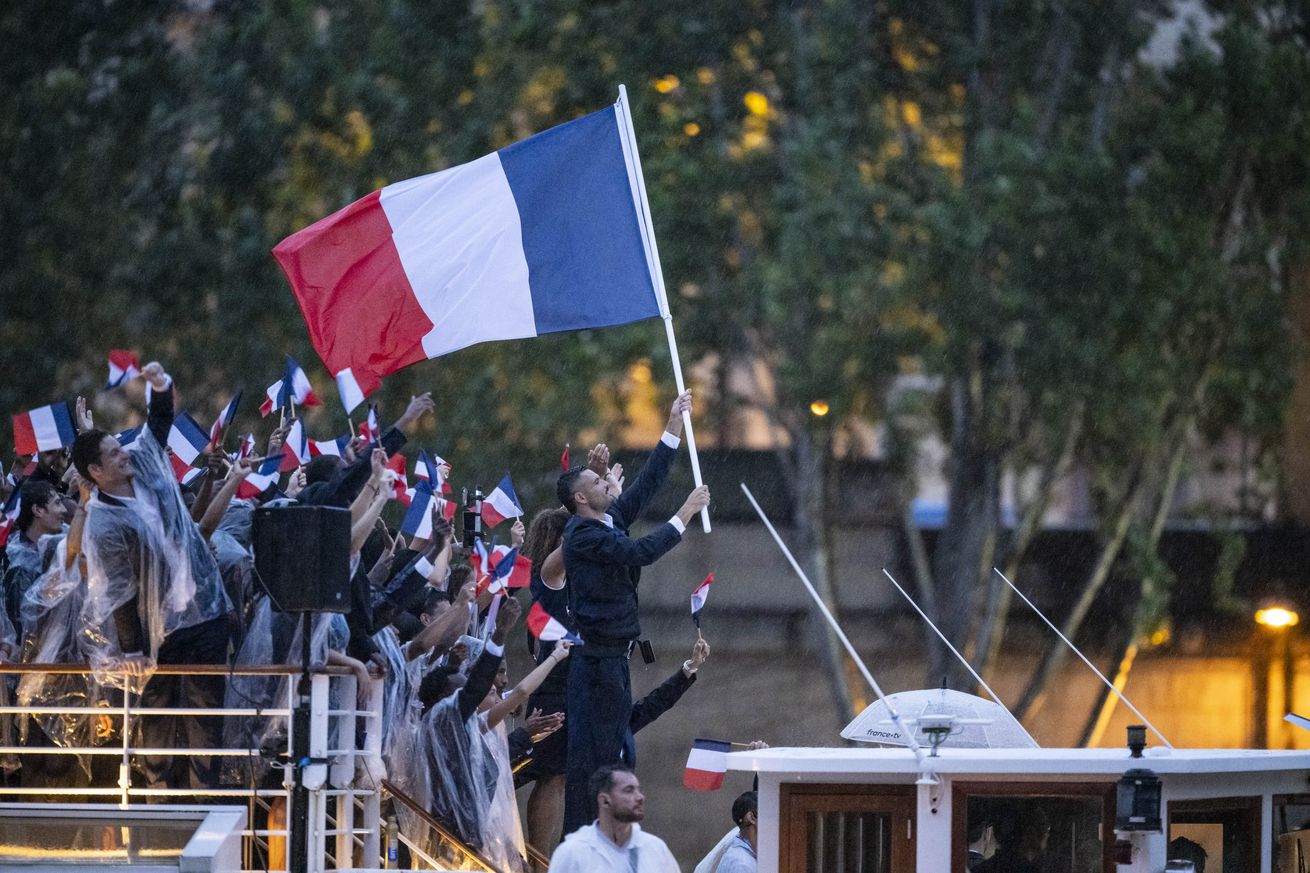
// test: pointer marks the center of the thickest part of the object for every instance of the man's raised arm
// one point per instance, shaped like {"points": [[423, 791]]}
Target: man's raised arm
{"points": [[656, 469]]}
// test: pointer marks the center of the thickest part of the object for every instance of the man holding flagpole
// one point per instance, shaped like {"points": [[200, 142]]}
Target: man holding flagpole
{"points": [[603, 566]]}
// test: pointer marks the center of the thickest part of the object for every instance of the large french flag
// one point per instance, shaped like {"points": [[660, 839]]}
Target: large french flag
{"points": [[43, 430], [706, 765], [539, 237]]}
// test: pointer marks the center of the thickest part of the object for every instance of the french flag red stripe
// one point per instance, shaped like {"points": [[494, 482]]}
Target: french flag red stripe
{"points": [[359, 308], [706, 765]]}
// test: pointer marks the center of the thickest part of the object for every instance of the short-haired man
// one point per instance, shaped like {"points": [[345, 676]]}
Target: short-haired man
{"points": [[740, 855], [615, 842], [153, 578], [41, 514], [603, 566]]}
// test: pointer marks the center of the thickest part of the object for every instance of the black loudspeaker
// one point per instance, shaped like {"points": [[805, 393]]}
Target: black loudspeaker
{"points": [[302, 556]]}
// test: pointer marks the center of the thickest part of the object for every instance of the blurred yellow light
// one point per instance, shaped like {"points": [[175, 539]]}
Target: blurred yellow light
{"points": [[640, 372], [819, 408], [756, 102], [1276, 616], [691, 128], [667, 84]]}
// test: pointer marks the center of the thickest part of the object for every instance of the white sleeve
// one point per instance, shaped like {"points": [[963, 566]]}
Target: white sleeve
{"points": [[670, 440], [678, 525]]}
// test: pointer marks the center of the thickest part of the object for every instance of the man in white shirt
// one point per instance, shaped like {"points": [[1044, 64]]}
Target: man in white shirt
{"points": [[615, 842]]}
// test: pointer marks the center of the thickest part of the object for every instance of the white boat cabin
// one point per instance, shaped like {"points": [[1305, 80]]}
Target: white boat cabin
{"points": [[882, 810]]}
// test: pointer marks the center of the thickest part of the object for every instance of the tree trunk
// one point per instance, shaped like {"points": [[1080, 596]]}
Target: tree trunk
{"points": [[992, 632], [1034, 696], [967, 540], [814, 551], [1126, 648]]}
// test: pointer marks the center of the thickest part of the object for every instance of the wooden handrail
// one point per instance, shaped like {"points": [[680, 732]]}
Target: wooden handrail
{"points": [[441, 830]]}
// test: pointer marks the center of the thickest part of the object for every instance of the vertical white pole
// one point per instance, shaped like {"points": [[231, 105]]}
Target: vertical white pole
{"points": [[657, 277]]}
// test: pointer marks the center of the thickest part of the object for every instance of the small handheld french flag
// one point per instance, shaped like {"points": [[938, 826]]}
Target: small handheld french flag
{"points": [[547, 629], [123, 367], [292, 388], [418, 518], [699, 596], [349, 391], [261, 480], [224, 419], [13, 506], [501, 503], [295, 448], [368, 428], [399, 485], [706, 765], [336, 448], [187, 441], [44, 429]]}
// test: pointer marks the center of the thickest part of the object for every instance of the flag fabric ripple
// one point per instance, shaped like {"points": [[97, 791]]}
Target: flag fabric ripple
{"points": [[539, 237]]}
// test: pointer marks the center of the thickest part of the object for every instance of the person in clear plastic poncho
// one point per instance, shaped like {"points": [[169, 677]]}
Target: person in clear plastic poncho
{"points": [[152, 579], [469, 785]]}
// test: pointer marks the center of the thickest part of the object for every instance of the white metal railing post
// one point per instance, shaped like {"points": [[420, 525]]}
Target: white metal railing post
{"points": [[373, 752], [315, 774], [125, 766], [342, 772]]}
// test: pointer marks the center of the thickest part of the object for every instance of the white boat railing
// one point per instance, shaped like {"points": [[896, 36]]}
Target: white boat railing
{"points": [[344, 806]]}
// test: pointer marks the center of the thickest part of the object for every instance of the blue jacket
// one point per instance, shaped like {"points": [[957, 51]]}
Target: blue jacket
{"points": [[603, 564]]}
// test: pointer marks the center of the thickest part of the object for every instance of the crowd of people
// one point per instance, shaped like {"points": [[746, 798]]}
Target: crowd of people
{"points": [[111, 561]]}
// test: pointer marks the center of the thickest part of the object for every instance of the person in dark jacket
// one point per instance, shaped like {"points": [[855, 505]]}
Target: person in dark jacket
{"points": [[603, 566]]}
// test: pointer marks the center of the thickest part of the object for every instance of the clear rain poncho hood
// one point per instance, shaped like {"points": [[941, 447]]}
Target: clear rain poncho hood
{"points": [[149, 550]]}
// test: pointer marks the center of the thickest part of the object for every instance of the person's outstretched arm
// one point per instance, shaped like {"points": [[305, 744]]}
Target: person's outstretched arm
{"points": [[483, 675], [600, 543], [663, 698], [528, 684], [656, 469]]}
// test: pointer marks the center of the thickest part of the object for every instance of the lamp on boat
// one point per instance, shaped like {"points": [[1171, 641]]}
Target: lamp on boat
{"points": [[1137, 805]]}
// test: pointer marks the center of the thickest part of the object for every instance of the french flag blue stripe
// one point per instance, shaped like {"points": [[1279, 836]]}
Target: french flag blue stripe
{"points": [[586, 263]]}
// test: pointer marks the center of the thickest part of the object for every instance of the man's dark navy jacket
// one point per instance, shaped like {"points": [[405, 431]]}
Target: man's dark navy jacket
{"points": [[603, 564]]}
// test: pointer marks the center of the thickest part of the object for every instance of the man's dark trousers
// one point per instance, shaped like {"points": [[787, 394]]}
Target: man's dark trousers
{"points": [[204, 643], [600, 704]]}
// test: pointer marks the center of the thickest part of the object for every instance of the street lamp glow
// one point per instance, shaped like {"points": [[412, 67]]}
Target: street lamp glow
{"points": [[819, 408], [1276, 617]]}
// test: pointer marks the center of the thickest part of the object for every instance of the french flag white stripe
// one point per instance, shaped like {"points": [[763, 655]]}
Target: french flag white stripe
{"points": [[458, 237], [707, 761], [46, 429]]}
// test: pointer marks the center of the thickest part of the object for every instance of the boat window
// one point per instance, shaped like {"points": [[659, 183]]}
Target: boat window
{"points": [[1291, 833], [846, 829], [1053, 828], [1219, 835]]}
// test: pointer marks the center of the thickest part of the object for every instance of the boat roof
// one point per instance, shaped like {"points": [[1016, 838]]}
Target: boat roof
{"points": [[1081, 762]]}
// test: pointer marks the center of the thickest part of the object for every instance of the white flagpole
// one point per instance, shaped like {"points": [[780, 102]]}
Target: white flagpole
{"points": [[657, 276]]}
